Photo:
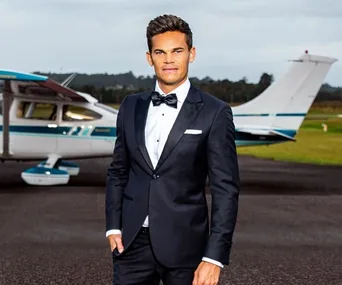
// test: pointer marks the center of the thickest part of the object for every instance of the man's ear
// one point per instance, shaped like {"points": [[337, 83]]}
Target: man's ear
{"points": [[192, 55], [149, 58]]}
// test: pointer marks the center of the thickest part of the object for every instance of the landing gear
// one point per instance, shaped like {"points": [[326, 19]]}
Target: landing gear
{"points": [[72, 168], [53, 171]]}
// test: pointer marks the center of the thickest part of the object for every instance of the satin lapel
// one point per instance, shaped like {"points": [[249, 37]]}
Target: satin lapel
{"points": [[190, 109], [141, 110]]}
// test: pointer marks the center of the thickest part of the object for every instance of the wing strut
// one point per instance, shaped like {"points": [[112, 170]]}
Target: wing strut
{"points": [[6, 106]]}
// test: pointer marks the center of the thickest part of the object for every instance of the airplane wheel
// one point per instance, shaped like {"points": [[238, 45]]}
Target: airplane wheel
{"points": [[71, 167], [42, 176]]}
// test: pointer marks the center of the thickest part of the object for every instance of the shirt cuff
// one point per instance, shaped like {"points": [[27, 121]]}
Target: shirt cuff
{"points": [[113, 232], [213, 261]]}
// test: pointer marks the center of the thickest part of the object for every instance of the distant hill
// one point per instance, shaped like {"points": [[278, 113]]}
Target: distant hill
{"points": [[118, 81], [129, 79], [112, 88], [105, 80], [330, 89]]}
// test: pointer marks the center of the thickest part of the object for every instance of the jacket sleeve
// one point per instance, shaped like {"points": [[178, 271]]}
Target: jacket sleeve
{"points": [[224, 185], [117, 175]]}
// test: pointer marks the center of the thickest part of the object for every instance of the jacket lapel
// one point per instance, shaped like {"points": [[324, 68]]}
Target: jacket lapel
{"points": [[141, 110], [189, 111]]}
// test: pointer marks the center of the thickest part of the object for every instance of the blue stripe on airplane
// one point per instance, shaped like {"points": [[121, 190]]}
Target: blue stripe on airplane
{"points": [[290, 133], [254, 142], [13, 75], [104, 132], [44, 130], [47, 132], [100, 132], [277, 115], [291, 114]]}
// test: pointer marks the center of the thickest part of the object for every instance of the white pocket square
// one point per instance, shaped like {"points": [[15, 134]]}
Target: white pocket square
{"points": [[193, 132]]}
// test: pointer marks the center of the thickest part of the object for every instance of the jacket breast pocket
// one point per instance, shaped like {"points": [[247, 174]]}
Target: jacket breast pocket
{"points": [[192, 137]]}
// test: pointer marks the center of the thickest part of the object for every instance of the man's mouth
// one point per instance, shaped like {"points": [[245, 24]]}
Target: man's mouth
{"points": [[170, 69]]}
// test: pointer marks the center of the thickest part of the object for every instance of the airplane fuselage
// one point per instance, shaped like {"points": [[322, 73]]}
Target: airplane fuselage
{"points": [[41, 128]]}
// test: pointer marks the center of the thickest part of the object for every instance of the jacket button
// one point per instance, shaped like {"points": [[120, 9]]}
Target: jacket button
{"points": [[155, 176]]}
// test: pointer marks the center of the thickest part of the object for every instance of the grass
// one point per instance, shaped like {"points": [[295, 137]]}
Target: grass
{"points": [[312, 145], [326, 108], [116, 106]]}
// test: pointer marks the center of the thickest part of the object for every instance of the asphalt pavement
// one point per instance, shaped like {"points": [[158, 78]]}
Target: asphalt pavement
{"points": [[289, 228]]}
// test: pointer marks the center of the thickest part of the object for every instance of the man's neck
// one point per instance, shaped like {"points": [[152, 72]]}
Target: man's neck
{"points": [[169, 88]]}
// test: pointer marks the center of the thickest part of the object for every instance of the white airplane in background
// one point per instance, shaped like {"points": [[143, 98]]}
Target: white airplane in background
{"points": [[41, 119]]}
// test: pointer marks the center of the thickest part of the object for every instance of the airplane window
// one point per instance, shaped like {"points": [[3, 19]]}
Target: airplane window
{"points": [[78, 113], [37, 111]]}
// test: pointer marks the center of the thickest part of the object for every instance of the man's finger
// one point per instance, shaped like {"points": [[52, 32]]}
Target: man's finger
{"points": [[112, 243], [119, 245], [195, 281], [196, 278]]}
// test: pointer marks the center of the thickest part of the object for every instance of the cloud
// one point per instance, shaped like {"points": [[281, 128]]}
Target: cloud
{"points": [[278, 9], [233, 38]]}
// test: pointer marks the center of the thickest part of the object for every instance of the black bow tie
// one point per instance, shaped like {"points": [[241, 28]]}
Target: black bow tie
{"points": [[170, 99]]}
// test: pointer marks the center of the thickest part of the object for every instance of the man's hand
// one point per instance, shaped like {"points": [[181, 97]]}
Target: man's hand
{"points": [[115, 241], [206, 274]]}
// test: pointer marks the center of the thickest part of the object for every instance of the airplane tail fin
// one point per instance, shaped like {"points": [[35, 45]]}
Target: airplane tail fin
{"points": [[283, 106]]}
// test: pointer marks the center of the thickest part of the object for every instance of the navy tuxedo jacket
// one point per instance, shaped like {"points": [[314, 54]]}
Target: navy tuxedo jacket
{"points": [[173, 194]]}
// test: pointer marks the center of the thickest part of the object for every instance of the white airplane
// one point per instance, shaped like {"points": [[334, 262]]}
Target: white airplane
{"points": [[42, 119]]}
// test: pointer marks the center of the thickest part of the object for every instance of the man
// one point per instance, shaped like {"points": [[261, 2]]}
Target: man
{"points": [[168, 141]]}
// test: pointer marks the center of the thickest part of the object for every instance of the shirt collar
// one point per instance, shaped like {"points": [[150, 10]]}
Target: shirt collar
{"points": [[181, 91]]}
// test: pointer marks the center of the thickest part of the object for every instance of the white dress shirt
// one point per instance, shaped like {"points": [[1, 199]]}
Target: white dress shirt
{"points": [[159, 122]]}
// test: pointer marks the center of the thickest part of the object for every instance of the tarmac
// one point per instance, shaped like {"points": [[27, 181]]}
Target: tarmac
{"points": [[289, 228]]}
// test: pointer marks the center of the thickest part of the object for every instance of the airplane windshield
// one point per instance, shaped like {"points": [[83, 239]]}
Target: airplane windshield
{"points": [[107, 108], [78, 113]]}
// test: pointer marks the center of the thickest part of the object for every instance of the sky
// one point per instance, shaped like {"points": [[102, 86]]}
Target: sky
{"points": [[233, 38]]}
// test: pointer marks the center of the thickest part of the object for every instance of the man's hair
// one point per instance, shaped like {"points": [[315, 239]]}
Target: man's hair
{"points": [[166, 23]]}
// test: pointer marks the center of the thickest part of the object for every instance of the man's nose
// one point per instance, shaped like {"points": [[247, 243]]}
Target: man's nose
{"points": [[169, 58]]}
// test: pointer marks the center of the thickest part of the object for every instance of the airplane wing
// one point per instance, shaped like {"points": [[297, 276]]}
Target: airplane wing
{"points": [[26, 83]]}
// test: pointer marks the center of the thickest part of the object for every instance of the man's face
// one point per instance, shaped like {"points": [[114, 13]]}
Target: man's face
{"points": [[170, 57]]}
